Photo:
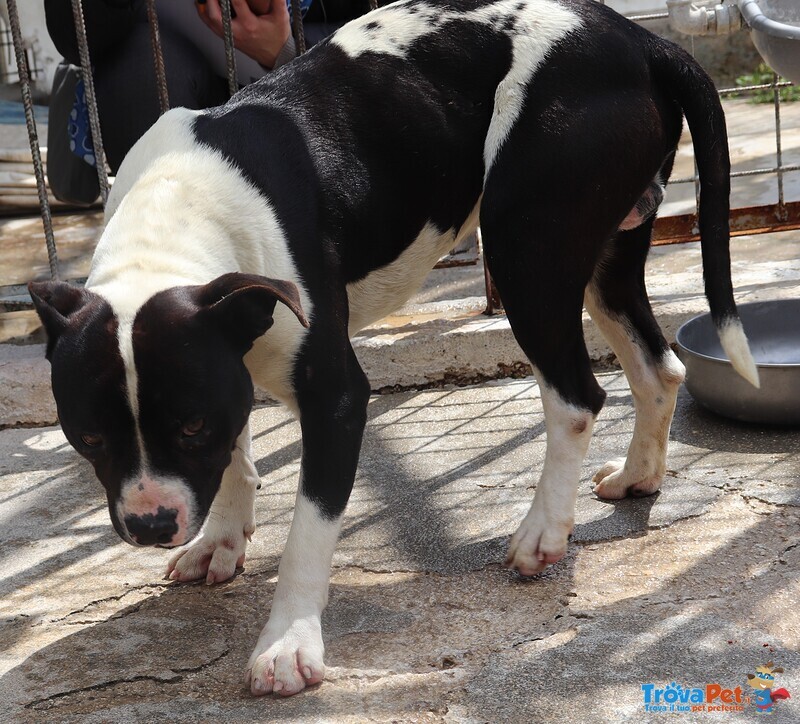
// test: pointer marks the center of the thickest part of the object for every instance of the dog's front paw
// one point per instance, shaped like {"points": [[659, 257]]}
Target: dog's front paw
{"points": [[537, 543], [214, 555], [287, 659], [616, 479]]}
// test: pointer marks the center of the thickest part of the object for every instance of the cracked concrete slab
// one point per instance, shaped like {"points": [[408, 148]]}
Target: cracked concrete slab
{"points": [[696, 610], [423, 624]]}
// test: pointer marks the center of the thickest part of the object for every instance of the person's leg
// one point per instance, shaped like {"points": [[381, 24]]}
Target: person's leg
{"points": [[107, 24]]}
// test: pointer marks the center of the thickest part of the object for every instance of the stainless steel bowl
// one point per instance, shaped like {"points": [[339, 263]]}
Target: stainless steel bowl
{"points": [[775, 36], [773, 329]]}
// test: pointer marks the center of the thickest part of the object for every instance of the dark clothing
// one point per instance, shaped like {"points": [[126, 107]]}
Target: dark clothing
{"points": [[107, 23], [121, 52]]}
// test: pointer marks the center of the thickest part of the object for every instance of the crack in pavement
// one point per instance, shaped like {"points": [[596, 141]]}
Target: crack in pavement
{"points": [[530, 639], [645, 603], [749, 498], [99, 601], [37, 703], [780, 560], [177, 676]]}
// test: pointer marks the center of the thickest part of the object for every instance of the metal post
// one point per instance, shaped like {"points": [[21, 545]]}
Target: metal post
{"points": [[494, 304], [778, 143]]}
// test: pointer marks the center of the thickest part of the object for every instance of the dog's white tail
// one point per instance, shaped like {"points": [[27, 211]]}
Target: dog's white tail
{"points": [[734, 342]]}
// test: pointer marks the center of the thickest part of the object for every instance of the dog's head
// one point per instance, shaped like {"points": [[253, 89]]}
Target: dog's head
{"points": [[157, 402]]}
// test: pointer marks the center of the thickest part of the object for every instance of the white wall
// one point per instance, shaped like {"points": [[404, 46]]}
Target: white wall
{"points": [[638, 7], [35, 38]]}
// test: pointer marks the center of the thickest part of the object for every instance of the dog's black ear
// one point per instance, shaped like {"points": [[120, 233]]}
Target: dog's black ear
{"points": [[242, 305], [55, 303]]}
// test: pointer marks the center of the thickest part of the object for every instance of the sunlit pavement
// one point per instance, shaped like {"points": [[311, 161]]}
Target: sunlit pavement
{"points": [[696, 585]]}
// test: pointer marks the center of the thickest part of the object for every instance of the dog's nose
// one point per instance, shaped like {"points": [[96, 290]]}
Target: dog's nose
{"points": [[149, 529]]}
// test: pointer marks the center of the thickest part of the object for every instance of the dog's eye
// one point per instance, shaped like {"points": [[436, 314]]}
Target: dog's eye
{"points": [[91, 440], [191, 428]]}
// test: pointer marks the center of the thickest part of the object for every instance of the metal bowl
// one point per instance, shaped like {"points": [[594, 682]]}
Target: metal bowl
{"points": [[773, 329], [777, 35]]}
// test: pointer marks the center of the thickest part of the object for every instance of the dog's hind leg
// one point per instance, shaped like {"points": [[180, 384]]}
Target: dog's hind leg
{"points": [[220, 546], [617, 302], [541, 277]]}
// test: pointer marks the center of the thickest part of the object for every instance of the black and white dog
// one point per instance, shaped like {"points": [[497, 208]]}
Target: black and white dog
{"points": [[332, 186]]}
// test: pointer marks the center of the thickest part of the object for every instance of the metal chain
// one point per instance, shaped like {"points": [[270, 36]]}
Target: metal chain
{"points": [[230, 56], [158, 56], [297, 28], [91, 100], [33, 137]]}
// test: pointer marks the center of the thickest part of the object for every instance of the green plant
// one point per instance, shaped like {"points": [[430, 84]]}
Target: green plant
{"points": [[764, 74]]}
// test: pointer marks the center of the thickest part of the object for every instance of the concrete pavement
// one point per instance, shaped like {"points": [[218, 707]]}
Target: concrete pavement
{"points": [[697, 585]]}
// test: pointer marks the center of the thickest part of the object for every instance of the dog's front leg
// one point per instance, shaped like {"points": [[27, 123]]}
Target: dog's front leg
{"points": [[220, 546], [289, 653]]}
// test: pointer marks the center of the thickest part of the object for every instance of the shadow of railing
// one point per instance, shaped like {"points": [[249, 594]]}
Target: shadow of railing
{"points": [[419, 451]]}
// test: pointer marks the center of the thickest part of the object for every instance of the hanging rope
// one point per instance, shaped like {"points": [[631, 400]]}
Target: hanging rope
{"points": [[33, 137], [91, 100], [230, 56], [297, 28], [158, 56]]}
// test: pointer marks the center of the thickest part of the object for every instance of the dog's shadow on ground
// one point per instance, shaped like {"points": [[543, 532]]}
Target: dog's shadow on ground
{"points": [[182, 637], [182, 653], [630, 517], [184, 648], [416, 516], [698, 426]]}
